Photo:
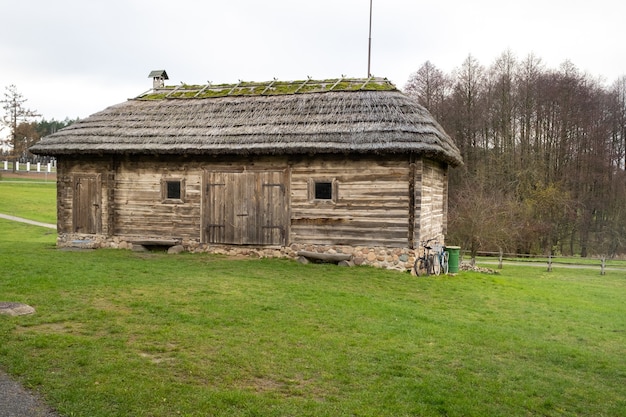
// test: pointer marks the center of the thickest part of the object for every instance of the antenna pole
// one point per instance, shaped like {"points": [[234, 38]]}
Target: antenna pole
{"points": [[369, 45]]}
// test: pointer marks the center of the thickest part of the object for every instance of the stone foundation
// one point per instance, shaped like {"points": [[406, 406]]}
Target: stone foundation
{"points": [[400, 259]]}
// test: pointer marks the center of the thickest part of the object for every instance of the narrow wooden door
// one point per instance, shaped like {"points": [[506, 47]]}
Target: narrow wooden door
{"points": [[245, 207], [86, 214], [273, 218]]}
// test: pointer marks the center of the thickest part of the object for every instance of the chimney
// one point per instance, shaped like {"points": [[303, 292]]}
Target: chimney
{"points": [[158, 78]]}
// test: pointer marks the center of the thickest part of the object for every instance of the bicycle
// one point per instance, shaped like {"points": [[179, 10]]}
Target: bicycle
{"points": [[425, 264], [432, 263], [445, 260]]}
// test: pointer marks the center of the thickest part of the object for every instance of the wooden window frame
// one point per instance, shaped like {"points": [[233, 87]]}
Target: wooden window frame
{"points": [[165, 199], [334, 190]]}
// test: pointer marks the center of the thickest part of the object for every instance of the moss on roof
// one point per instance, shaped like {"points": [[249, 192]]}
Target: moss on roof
{"points": [[268, 88]]}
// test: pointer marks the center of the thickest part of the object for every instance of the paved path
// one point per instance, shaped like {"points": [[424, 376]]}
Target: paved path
{"points": [[15, 401], [21, 219]]}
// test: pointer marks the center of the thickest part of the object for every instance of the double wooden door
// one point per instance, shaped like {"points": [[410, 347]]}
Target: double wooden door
{"points": [[245, 207]]}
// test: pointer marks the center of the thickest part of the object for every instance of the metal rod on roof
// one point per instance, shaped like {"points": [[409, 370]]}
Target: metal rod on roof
{"points": [[369, 45]]}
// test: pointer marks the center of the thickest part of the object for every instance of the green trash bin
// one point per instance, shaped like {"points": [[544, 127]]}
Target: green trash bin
{"points": [[453, 258]]}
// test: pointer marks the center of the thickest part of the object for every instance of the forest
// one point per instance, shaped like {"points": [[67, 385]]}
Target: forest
{"points": [[544, 152]]}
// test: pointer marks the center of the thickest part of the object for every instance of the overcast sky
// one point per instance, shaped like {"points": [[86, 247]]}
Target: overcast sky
{"points": [[71, 58]]}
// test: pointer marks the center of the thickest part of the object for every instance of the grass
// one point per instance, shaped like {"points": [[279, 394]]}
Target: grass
{"points": [[33, 200], [120, 333], [557, 261]]}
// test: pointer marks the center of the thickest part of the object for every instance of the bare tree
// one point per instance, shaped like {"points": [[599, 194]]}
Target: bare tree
{"points": [[618, 111], [501, 117], [15, 114], [483, 218], [468, 100], [529, 91], [430, 86]]}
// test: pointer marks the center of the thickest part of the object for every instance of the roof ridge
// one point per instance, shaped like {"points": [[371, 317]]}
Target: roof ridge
{"points": [[268, 88]]}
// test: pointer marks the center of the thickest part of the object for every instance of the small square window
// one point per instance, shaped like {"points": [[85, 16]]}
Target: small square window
{"points": [[323, 190], [173, 190]]}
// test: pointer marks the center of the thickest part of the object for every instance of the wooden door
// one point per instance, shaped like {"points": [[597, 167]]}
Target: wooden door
{"points": [[245, 208], [86, 214]]}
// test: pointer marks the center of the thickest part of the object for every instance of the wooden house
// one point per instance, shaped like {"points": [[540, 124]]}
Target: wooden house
{"points": [[348, 165]]}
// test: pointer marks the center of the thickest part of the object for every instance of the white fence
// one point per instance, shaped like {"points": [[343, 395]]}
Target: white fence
{"points": [[28, 167]]}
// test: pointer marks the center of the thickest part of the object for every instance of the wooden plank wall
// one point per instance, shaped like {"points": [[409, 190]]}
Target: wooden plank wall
{"points": [[371, 209]]}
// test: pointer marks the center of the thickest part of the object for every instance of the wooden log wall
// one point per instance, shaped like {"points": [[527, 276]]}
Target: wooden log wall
{"points": [[139, 204], [431, 191], [64, 197], [89, 176], [371, 206]]}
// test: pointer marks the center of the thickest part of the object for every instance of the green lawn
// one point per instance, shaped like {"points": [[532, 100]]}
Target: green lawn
{"points": [[33, 200], [119, 333]]}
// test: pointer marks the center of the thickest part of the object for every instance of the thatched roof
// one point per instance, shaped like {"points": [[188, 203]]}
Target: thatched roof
{"points": [[301, 117]]}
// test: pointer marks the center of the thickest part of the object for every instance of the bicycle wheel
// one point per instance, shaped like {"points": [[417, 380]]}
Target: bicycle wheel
{"points": [[445, 257], [421, 267], [434, 264]]}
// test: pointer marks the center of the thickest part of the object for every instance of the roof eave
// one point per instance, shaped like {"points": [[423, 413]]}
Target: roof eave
{"points": [[300, 150]]}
